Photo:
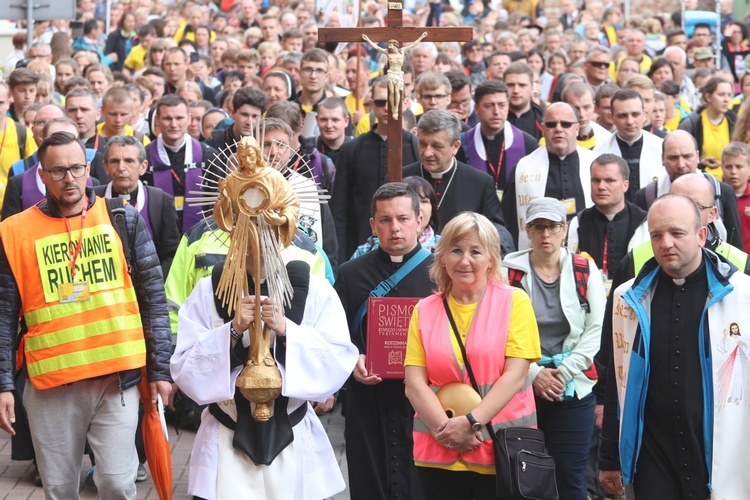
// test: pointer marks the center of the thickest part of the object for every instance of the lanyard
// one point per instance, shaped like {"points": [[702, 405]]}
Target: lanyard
{"points": [[96, 142], [496, 170], [74, 254], [604, 257]]}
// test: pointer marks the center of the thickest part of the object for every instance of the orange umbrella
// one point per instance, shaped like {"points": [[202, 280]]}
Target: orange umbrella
{"points": [[155, 442]]}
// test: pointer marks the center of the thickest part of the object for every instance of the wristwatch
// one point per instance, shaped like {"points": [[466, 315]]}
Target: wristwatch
{"points": [[475, 426]]}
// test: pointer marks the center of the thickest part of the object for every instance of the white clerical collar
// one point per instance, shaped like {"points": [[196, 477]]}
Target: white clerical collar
{"points": [[174, 149], [396, 258], [630, 143], [439, 175]]}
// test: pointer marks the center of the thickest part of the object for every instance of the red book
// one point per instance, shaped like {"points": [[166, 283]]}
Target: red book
{"points": [[387, 328]]}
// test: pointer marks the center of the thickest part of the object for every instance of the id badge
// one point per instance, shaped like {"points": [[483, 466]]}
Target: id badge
{"points": [[74, 292], [499, 194], [179, 203], [607, 287], [569, 205]]}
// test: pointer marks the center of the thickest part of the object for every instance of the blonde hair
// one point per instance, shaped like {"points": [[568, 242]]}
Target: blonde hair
{"points": [[459, 227]]}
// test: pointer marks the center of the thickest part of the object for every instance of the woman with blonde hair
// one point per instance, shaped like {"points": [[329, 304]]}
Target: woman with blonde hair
{"points": [[496, 328]]}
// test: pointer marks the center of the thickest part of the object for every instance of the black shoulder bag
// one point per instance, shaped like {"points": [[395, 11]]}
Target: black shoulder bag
{"points": [[523, 469]]}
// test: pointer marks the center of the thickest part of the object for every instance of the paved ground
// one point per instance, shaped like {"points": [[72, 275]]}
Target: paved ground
{"points": [[17, 478]]}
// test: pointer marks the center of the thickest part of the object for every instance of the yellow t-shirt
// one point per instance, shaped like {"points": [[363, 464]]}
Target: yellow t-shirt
{"points": [[128, 132], [351, 102], [522, 342], [10, 152], [715, 139], [674, 123], [136, 60]]}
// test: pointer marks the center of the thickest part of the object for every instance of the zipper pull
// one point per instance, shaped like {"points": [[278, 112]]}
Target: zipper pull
{"points": [[523, 466]]}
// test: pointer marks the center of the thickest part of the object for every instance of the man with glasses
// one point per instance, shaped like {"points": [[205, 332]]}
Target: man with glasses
{"points": [[313, 79], [680, 156], [494, 146], [460, 102], [433, 91], [89, 326], [596, 67], [559, 170], [361, 170]]}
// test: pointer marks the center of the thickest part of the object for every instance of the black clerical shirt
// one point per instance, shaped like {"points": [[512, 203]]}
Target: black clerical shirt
{"points": [[564, 180], [594, 227], [672, 463], [632, 156]]}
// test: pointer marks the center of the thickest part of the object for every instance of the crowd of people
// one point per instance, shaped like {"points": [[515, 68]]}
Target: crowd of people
{"points": [[574, 217]]}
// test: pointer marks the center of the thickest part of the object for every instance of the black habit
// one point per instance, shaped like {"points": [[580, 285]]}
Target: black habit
{"points": [[594, 227], [361, 168], [379, 418], [461, 189]]}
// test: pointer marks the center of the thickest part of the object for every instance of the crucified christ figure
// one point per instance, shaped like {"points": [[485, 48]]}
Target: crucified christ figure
{"points": [[395, 73]]}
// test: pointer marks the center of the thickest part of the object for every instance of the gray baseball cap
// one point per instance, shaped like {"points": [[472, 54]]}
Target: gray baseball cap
{"points": [[545, 208]]}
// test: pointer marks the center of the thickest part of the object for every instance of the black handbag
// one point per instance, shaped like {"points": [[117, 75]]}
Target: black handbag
{"points": [[523, 468]]}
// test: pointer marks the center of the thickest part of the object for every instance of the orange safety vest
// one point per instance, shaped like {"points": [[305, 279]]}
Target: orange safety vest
{"points": [[68, 342], [485, 349]]}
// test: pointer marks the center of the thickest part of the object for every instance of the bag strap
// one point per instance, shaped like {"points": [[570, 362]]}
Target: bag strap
{"points": [[469, 371], [116, 208], [581, 274], [388, 284], [650, 194], [21, 133]]}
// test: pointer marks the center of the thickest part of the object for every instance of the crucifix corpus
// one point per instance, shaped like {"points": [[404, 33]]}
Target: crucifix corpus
{"points": [[394, 35]]}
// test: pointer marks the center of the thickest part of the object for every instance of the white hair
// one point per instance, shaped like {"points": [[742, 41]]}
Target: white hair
{"points": [[678, 50]]}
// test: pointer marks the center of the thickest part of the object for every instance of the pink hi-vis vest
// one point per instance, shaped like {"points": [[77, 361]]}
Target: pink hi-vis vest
{"points": [[485, 349]]}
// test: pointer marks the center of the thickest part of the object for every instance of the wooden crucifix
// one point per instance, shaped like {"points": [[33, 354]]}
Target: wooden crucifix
{"points": [[394, 35]]}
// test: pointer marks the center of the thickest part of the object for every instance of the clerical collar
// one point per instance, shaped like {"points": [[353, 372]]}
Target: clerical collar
{"points": [[132, 196], [440, 175], [695, 277], [630, 143], [175, 149], [586, 137], [396, 258]]}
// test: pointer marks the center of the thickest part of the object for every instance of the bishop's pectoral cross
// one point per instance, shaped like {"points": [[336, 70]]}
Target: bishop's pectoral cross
{"points": [[394, 35]]}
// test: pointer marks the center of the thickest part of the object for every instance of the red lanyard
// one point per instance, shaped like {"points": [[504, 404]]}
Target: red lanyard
{"points": [[176, 176], [496, 170], [74, 254], [604, 257], [96, 142]]}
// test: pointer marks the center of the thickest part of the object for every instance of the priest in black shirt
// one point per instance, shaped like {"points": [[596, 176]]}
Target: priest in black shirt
{"points": [[494, 146], [458, 187], [361, 168], [605, 230], [178, 162], [379, 418], [673, 351]]}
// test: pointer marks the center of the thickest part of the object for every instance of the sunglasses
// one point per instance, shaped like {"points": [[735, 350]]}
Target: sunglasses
{"points": [[380, 103], [563, 124], [599, 64]]}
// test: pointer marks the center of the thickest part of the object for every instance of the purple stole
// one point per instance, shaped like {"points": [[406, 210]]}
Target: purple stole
{"points": [[191, 214], [144, 212], [513, 154], [30, 194]]}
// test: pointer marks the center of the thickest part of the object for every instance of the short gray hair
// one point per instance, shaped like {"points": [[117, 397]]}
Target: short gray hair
{"points": [[123, 141], [436, 120]]}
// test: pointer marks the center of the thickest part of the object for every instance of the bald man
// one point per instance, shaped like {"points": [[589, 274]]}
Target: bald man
{"points": [[558, 170], [680, 156], [679, 332]]}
